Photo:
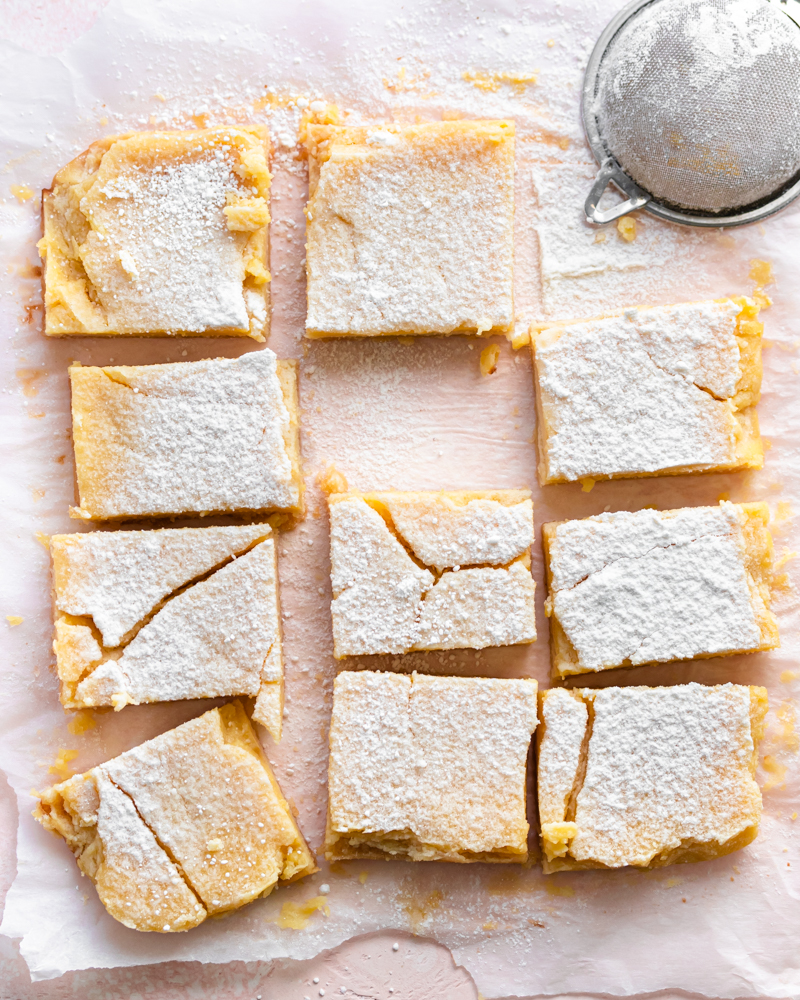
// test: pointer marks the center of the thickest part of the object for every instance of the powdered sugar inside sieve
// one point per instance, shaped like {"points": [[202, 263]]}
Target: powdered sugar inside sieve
{"points": [[698, 101]]}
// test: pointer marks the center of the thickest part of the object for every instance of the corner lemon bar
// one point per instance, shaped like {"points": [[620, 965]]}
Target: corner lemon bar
{"points": [[429, 768], [147, 616], [160, 233], [648, 776], [410, 228], [655, 586], [658, 391], [220, 435], [186, 826], [414, 571]]}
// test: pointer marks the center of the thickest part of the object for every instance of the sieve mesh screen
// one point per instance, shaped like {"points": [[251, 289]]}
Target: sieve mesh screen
{"points": [[699, 101]]}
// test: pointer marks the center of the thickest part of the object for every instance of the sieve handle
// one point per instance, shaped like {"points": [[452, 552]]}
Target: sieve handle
{"points": [[611, 172]]}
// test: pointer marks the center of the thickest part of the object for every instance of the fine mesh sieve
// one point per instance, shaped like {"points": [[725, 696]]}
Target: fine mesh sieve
{"points": [[692, 108]]}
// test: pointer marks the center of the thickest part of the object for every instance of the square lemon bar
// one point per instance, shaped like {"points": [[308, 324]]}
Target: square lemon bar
{"points": [[413, 571], [429, 768], [145, 616], [658, 585], [650, 392], [194, 438], [410, 228], [186, 826], [160, 233], [648, 776]]}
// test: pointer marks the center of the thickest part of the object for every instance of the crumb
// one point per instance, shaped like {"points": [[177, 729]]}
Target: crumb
{"points": [[761, 272], [332, 481], [81, 722], [61, 766], [491, 82], [776, 772], [489, 358], [521, 338], [626, 228]]}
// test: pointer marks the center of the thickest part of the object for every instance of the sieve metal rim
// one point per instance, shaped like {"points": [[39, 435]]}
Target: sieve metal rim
{"points": [[611, 171]]}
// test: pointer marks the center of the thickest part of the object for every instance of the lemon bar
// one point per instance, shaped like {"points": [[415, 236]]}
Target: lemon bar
{"points": [[410, 228], [647, 776], [200, 437], [415, 571], [654, 586], [160, 233], [188, 825], [650, 392], [429, 768], [146, 616]]}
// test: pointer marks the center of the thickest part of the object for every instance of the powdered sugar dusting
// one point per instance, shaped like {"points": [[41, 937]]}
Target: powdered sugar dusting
{"points": [[444, 534], [212, 805], [383, 602], [377, 587], [413, 235], [665, 766], [137, 880], [209, 641], [413, 402], [619, 395], [370, 744], [477, 608], [182, 438], [406, 751], [564, 717], [653, 586], [117, 578], [586, 270], [187, 824], [166, 223], [696, 340]]}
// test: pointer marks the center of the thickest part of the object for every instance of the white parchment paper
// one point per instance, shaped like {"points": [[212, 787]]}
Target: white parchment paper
{"points": [[388, 415]]}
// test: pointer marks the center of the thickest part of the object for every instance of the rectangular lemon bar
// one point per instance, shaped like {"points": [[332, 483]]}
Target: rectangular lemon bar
{"points": [[410, 228], [413, 571], [200, 437], [649, 392], [183, 827], [654, 586], [160, 233], [647, 776], [429, 768], [146, 616]]}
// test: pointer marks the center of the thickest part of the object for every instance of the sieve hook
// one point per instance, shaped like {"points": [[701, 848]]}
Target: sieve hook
{"points": [[611, 172]]}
